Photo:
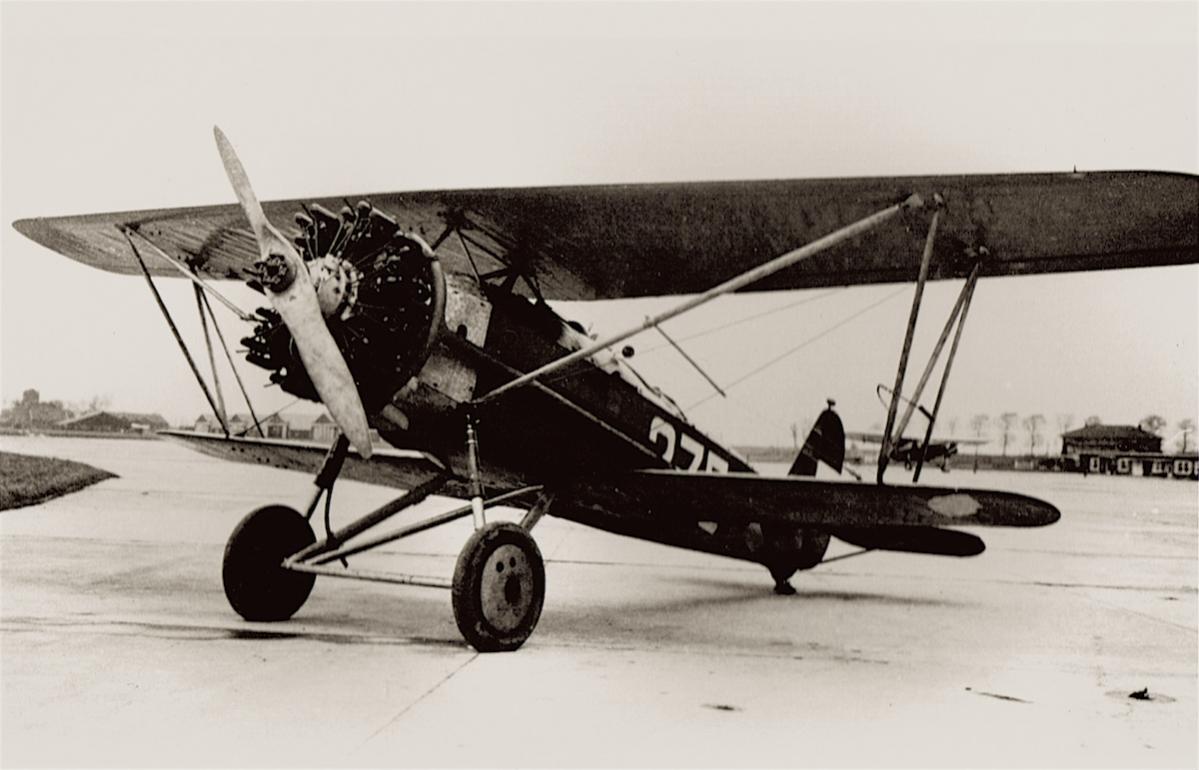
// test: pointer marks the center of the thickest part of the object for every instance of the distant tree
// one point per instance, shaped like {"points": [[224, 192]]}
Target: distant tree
{"points": [[98, 403], [1187, 426], [1092, 421], [1032, 424], [30, 397], [795, 434], [1007, 421], [1064, 423], [1153, 423], [978, 424], [952, 425]]}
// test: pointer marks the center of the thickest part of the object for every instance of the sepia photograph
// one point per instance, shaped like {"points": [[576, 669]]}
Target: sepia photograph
{"points": [[599, 384]]}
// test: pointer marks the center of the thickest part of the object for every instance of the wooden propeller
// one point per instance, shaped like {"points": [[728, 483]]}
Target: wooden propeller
{"points": [[293, 297]]}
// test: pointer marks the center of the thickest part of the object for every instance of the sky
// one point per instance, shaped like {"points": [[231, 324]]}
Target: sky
{"points": [[110, 106]]}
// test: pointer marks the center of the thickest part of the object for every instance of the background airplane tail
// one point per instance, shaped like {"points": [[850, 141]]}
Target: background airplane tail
{"points": [[825, 443]]}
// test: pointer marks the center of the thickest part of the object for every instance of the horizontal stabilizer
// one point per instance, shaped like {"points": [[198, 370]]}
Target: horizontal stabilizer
{"points": [[748, 497], [929, 540]]}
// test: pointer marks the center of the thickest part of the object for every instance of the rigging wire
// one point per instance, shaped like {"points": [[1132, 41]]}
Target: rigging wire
{"points": [[802, 345], [746, 319], [275, 413], [711, 330]]}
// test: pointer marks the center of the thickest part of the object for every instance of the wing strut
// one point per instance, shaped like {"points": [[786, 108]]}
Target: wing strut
{"points": [[202, 305], [733, 284], [216, 378], [957, 316], [220, 413], [968, 292], [232, 366], [884, 451]]}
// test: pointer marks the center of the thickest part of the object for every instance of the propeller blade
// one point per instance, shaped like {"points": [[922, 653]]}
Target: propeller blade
{"points": [[294, 298]]}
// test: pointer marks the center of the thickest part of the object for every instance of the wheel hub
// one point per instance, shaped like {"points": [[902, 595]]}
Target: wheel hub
{"points": [[507, 588]]}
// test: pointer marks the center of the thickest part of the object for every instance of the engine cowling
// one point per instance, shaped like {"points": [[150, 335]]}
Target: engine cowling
{"points": [[381, 291]]}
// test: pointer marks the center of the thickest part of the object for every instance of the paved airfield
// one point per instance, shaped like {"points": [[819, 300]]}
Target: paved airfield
{"points": [[117, 647]]}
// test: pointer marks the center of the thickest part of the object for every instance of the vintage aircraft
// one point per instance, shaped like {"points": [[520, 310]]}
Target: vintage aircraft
{"points": [[424, 315], [913, 451]]}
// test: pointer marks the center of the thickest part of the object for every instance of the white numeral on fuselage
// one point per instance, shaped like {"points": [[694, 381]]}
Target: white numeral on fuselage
{"points": [[684, 451]]}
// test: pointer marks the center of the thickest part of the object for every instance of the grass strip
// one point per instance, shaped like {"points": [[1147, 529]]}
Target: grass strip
{"points": [[28, 480]]}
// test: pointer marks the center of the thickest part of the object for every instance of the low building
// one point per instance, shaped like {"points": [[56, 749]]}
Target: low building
{"points": [[273, 426], [1123, 450], [294, 427], [143, 422], [207, 423], [324, 429], [97, 422], [1110, 440]]}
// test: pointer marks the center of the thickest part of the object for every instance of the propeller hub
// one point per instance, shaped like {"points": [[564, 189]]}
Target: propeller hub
{"points": [[276, 272]]}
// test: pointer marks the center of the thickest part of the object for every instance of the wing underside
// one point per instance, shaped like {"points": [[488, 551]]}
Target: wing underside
{"points": [[742, 498], [613, 241], [399, 468]]}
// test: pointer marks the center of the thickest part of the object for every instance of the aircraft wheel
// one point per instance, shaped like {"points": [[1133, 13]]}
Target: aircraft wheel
{"points": [[499, 587], [257, 587], [803, 549]]}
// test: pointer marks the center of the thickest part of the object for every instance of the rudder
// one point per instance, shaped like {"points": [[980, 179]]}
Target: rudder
{"points": [[826, 443]]}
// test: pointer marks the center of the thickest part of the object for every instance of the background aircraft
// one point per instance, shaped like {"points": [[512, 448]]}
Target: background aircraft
{"points": [[909, 450]]}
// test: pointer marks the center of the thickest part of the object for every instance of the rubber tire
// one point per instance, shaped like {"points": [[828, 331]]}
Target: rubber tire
{"points": [[812, 547], [473, 578], [256, 586]]}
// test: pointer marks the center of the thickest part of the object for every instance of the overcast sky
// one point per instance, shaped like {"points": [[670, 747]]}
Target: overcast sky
{"points": [[110, 107]]}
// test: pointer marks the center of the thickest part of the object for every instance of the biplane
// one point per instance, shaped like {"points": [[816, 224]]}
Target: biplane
{"points": [[425, 316], [912, 451]]}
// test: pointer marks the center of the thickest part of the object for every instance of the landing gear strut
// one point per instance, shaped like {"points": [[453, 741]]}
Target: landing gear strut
{"points": [[497, 591]]}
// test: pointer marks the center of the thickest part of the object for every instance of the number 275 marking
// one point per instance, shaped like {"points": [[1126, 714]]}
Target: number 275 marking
{"points": [[676, 447]]}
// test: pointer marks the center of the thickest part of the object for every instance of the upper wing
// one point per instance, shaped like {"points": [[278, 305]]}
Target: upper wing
{"points": [[748, 497], [643, 240]]}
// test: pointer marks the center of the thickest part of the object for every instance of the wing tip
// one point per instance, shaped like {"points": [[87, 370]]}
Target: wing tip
{"points": [[40, 230], [27, 227]]}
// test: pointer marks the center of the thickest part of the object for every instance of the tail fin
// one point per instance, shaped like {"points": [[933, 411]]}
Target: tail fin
{"points": [[826, 442]]}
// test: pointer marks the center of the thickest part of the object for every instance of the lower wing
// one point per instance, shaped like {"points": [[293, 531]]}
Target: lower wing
{"points": [[400, 468], [746, 497]]}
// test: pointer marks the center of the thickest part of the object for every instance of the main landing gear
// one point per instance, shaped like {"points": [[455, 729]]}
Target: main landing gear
{"points": [[273, 557], [499, 587]]}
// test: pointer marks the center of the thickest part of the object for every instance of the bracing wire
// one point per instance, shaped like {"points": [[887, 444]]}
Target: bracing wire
{"points": [[706, 332], [746, 319], [801, 345], [275, 413]]}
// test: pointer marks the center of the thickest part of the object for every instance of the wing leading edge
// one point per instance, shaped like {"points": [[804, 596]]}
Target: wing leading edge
{"points": [[602, 242]]}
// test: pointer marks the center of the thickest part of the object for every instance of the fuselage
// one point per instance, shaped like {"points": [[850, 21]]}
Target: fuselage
{"points": [[423, 347]]}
